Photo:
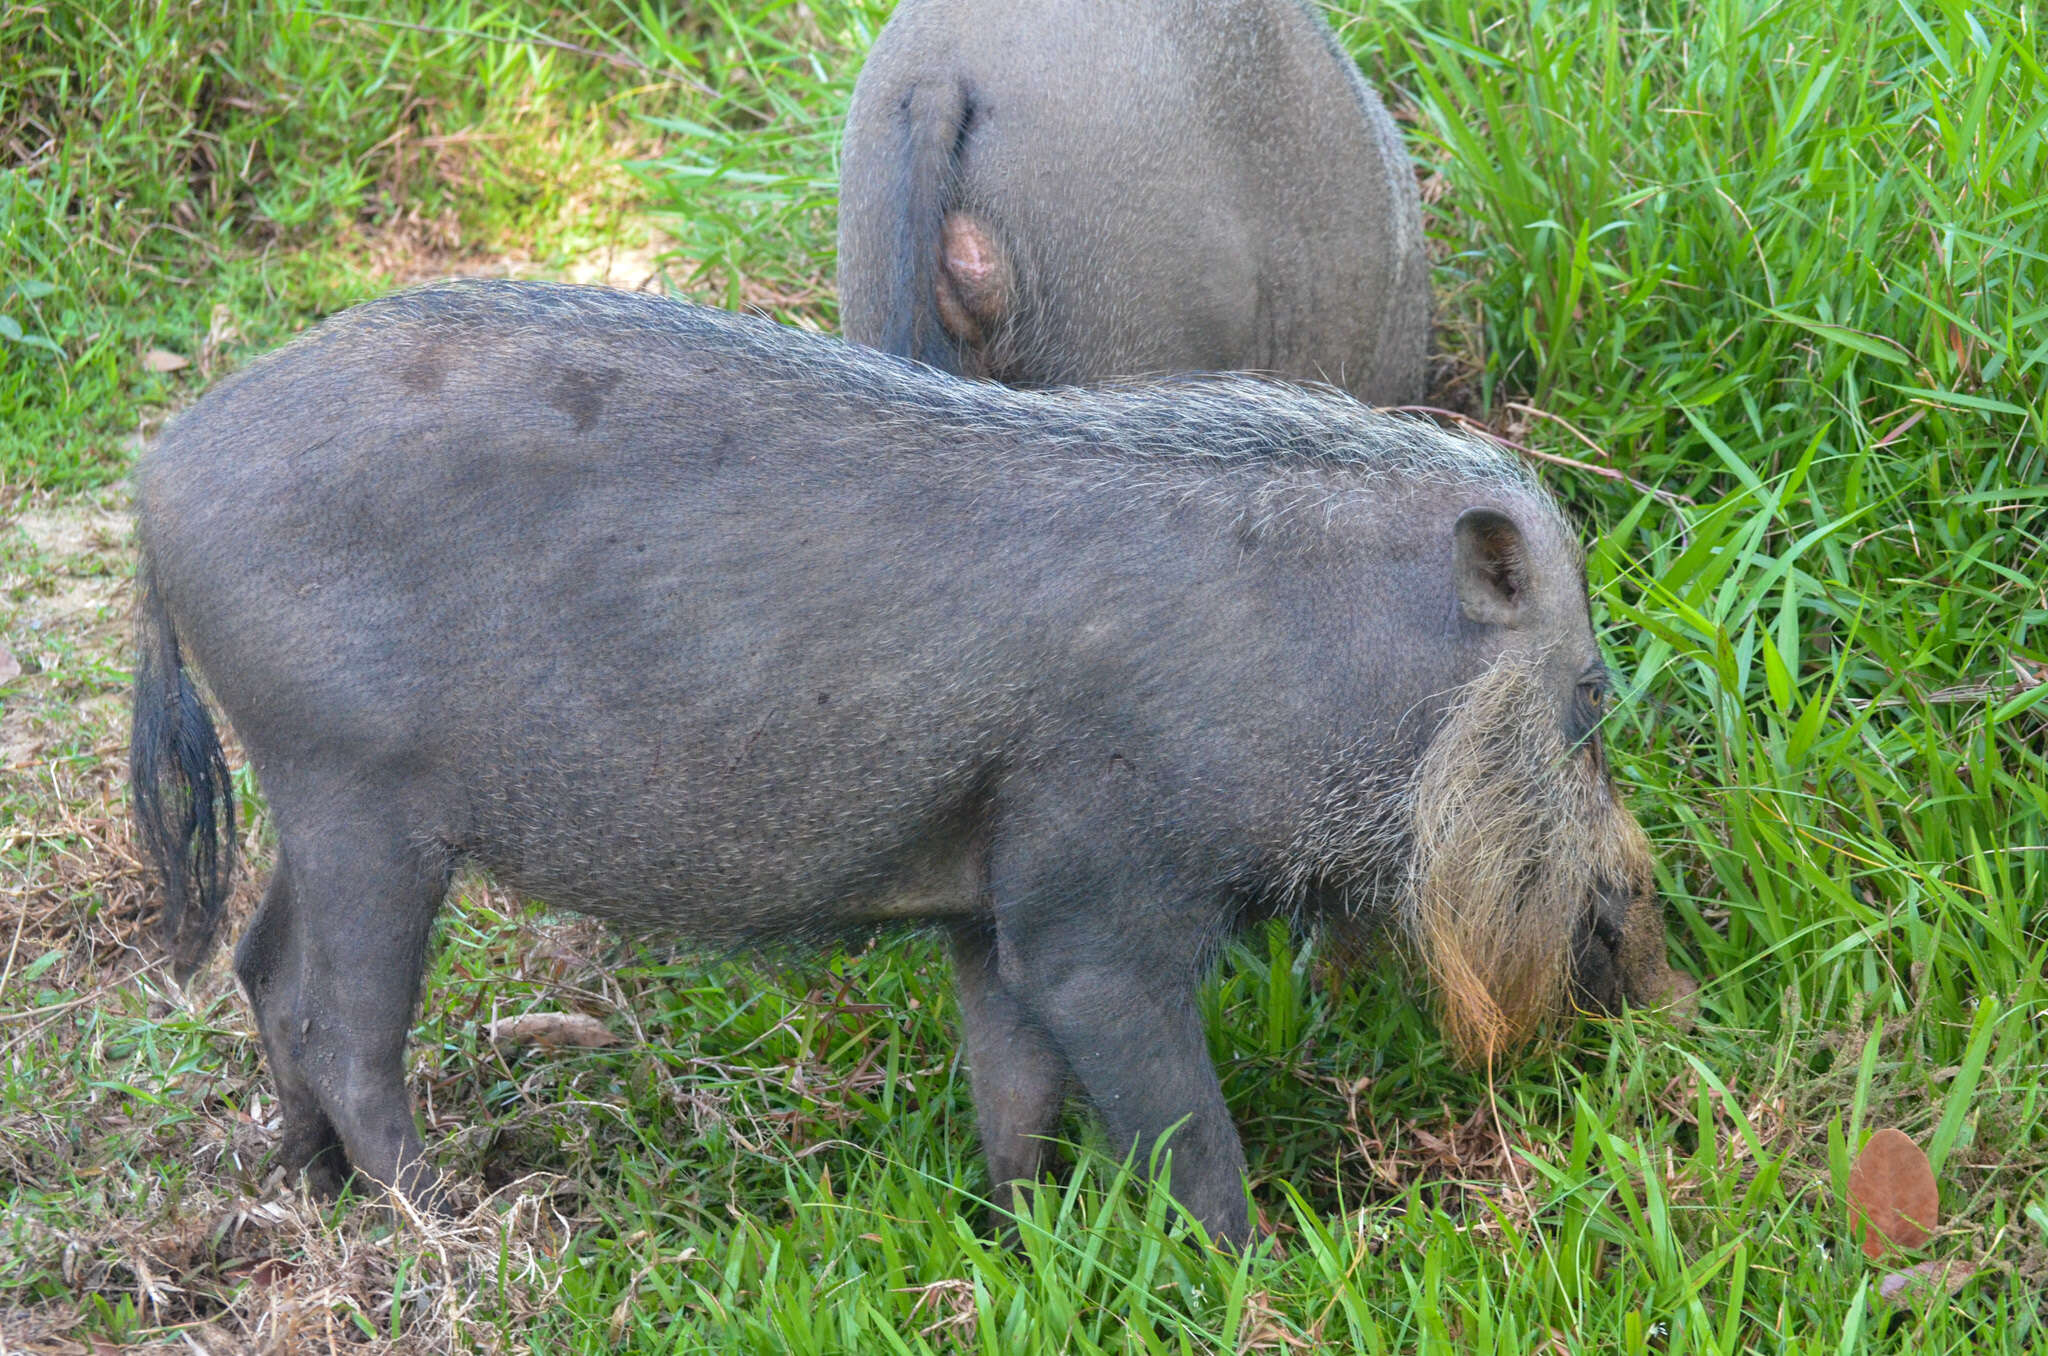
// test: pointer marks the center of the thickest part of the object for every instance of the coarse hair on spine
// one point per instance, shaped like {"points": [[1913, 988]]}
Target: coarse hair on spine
{"points": [[1286, 451]]}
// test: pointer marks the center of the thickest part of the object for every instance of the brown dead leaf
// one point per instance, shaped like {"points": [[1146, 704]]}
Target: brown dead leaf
{"points": [[10, 667], [1925, 1280], [552, 1030], [1893, 1199], [272, 1272], [163, 360]]}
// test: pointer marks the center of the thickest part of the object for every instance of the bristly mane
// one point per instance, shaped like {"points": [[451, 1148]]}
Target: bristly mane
{"points": [[1167, 436]]}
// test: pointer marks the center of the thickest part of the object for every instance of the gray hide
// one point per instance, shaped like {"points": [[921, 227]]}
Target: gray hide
{"points": [[693, 622], [1123, 187]]}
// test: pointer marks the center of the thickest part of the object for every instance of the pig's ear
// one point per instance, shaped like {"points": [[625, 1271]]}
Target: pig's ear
{"points": [[1490, 562]]}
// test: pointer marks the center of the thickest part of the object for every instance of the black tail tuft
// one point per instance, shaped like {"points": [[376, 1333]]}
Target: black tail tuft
{"points": [[184, 802]]}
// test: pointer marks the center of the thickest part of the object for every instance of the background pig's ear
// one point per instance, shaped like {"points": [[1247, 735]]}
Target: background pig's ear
{"points": [[1490, 562]]}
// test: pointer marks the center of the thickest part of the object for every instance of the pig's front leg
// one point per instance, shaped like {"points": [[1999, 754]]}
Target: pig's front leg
{"points": [[1020, 1081], [1107, 964]]}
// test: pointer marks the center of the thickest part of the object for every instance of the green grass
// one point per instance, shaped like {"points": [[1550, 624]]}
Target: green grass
{"points": [[174, 172], [1783, 260]]}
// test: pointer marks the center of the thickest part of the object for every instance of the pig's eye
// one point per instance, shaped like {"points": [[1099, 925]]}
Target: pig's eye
{"points": [[1592, 706], [1589, 705]]}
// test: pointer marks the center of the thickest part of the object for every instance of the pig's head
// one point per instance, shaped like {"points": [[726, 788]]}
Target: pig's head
{"points": [[1529, 888]]}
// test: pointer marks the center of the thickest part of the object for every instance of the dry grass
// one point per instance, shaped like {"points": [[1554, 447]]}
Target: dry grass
{"points": [[223, 1259]]}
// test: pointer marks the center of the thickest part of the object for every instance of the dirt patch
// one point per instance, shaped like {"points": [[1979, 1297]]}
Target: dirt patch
{"points": [[93, 528], [637, 268], [65, 568], [410, 249], [77, 600], [65, 572]]}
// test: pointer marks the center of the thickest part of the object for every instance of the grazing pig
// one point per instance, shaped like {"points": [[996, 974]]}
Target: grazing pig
{"points": [[1053, 194], [693, 622]]}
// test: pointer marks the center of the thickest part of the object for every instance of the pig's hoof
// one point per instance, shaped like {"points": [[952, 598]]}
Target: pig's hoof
{"points": [[320, 1157], [327, 1172]]}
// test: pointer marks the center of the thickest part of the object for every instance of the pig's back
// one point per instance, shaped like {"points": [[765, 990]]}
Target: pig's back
{"points": [[1191, 186]]}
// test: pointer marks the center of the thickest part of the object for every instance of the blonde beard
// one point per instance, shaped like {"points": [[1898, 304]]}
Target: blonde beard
{"points": [[1512, 834]]}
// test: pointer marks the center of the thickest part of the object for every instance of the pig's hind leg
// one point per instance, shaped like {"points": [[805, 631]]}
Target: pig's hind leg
{"points": [[332, 966], [267, 962], [1019, 1079]]}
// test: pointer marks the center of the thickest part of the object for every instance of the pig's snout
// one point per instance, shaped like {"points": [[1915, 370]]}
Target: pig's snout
{"points": [[1598, 942]]}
